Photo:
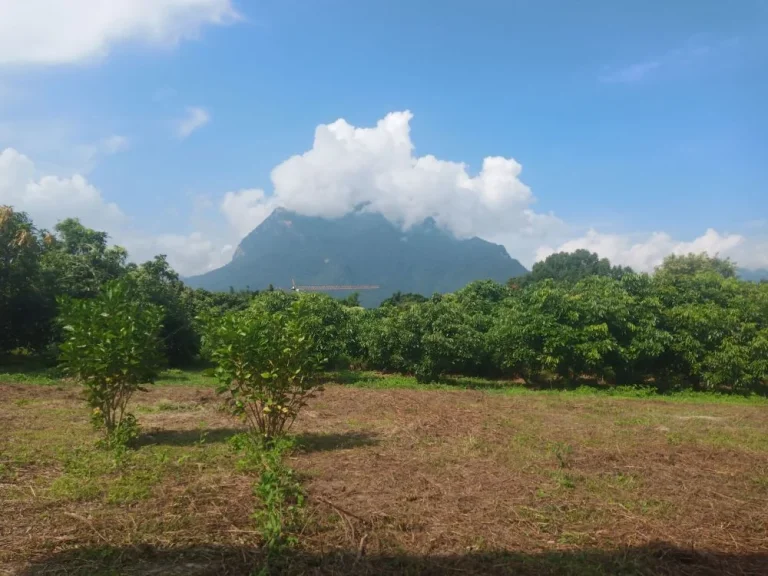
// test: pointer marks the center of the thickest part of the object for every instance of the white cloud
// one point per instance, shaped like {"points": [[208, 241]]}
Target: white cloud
{"points": [[189, 254], [196, 117], [646, 252], [348, 167], [345, 168], [46, 32], [57, 144], [246, 209], [49, 199]]}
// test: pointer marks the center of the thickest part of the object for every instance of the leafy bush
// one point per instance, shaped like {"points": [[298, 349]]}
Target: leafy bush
{"points": [[532, 332], [390, 338], [451, 342], [112, 348], [268, 364], [325, 322]]}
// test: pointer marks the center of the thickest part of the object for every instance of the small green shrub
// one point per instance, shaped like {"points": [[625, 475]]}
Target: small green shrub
{"points": [[280, 516], [111, 346], [268, 365]]}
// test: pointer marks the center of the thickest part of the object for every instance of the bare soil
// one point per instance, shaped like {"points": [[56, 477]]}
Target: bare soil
{"points": [[398, 481]]}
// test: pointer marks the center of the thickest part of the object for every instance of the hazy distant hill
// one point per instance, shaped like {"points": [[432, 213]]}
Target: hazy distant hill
{"points": [[359, 248], [753, 275]]}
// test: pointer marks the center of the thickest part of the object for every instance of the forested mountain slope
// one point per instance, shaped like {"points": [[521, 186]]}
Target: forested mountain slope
{"points": [[359, 248]]}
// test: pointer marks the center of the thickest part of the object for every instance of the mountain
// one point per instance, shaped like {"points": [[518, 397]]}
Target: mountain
{"points": [[752, 275], [359, 248]]}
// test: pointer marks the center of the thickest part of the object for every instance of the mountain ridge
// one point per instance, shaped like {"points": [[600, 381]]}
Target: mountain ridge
{"points": [[752, 274], [358, 248]]}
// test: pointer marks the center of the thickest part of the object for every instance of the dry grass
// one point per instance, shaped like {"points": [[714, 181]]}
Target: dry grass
{"points": [[399, 481]]}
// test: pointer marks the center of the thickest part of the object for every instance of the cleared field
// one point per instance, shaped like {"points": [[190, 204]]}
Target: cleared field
{"points": [[400, 481]]}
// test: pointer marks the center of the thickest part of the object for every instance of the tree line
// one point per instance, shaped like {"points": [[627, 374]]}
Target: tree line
{"points": [[691, 324]]}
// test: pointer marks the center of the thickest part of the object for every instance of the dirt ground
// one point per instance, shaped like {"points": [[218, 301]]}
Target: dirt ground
{"points": [[398, 482]]}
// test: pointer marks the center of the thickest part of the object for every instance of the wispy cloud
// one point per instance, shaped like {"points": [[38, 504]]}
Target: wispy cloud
{"points": [[114, 144], [88, 155], [630, 74], [679, 58], [196, 118]]}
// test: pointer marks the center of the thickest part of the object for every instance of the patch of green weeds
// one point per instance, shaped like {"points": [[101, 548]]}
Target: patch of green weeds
{"points": [[280, 514], [573, 538], [280, 517], [38, 377], [75, 489], [563, 453], [82, 477], [652, 507], [564, 480], [132, 486], [620, 479], [118, 475], [195, 377], [166, 405], [674, 438], [741, 438]]}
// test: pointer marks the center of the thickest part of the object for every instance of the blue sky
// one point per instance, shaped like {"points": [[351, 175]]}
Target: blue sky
{"points": [[640, 126]]}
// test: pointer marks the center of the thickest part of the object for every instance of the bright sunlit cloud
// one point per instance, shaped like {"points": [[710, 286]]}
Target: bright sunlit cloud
{"points": [[46, 32]]}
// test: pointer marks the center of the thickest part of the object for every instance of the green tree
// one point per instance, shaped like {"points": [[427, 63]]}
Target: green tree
{"points": [[450, 343], [157, 282], [390, 338], [112, 348], [79, 260], [351, 301], [718, 328], [26, 308], [570, 267], [532, 332], [400, 299], [675, 266], [325, 322]]}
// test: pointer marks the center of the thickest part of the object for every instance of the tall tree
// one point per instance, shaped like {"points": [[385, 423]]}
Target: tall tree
{"points": [[25, 306], [79, 260], [156, 281], [571, 267], [691, 264]]}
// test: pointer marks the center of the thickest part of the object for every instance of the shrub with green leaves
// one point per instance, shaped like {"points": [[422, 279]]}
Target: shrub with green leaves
{"points": [[112, 347], [268, 365]]}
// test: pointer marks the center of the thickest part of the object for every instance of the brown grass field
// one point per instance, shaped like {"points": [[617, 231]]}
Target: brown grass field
{"points": [[399, 481]]}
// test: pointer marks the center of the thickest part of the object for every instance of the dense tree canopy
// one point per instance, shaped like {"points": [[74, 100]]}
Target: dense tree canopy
{"points": [[572, 267], [690, 324], [25, 302]]}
